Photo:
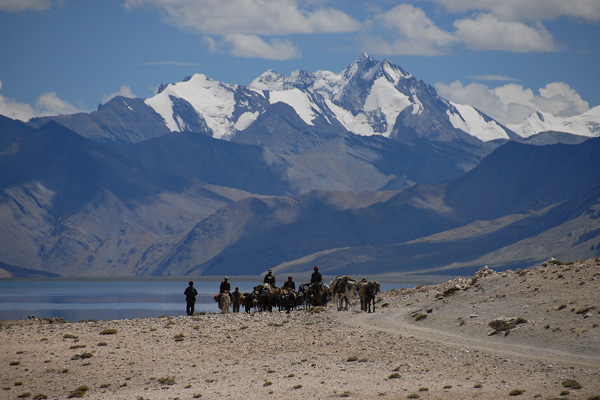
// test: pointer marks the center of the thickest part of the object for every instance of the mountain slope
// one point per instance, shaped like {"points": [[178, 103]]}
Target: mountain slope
{"points": [[384, 236]]}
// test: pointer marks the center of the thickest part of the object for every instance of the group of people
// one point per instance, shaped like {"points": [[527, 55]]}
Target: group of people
{"points": [[191, 292], [315, 277]]}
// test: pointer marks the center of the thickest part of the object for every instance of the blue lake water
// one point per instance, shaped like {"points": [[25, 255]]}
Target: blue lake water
{"points": [[77, 300]]}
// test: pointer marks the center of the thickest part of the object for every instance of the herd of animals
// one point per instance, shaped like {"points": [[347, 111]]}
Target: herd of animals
{"points": [[266, 297]]}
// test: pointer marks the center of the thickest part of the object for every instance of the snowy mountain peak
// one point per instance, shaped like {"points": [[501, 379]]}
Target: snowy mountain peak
{"points": [[586, 124], [366, 98]]}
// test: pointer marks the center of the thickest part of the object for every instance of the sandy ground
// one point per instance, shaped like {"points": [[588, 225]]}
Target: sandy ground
{"points": [[431, 342]]}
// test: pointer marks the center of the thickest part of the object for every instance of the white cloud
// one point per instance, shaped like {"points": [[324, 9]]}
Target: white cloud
{"points": [[15, 110], [252, 46], [47, 104], [528, 10], [124, 91], [405, 30], [28, 5], [240, 23], [512, 103], [50, 104], [487, 32], [258, 17]]}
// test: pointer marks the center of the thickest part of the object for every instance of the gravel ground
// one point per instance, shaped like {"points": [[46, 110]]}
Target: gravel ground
{"points": [[430, 342]]}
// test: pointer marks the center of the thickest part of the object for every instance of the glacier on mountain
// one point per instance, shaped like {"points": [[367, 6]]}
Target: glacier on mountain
{"points": [[586, 124], [366, 98]]}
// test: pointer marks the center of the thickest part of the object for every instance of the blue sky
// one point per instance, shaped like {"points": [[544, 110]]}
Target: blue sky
{"points": [[509, 58]]}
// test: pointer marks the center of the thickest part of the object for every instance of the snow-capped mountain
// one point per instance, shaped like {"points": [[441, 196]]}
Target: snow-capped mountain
{"points": [[586, 124], [369, 97], [202, 104]]}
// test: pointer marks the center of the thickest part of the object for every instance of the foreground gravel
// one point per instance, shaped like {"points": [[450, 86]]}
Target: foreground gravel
{"points": [[431, 342]]}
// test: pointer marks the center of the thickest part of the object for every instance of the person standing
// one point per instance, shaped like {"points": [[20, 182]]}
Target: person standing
{"points": [[236, 299], [190, 298]]}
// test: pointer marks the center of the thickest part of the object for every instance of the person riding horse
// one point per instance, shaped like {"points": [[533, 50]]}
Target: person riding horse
{"points": [[316, 276], [270, 278]]}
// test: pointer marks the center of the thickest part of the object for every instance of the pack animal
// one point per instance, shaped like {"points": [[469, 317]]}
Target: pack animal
{"points": [[224, 300], [372, 288], [343, 290]]}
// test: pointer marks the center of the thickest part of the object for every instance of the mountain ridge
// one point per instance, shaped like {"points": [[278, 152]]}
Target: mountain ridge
{"points": [[367, 168]]}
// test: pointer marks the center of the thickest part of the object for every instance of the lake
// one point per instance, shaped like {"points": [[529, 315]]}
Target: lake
{"points": [[77, 300]]}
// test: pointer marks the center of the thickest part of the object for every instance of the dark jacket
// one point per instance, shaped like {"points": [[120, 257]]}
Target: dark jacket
{"points": [[225, 287], [289, 284], [270, 279], [190, 293], [316, 277]]}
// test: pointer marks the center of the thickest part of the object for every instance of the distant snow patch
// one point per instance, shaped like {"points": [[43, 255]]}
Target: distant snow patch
{"points": [[298, 100], [245, 120], [472, 122]]}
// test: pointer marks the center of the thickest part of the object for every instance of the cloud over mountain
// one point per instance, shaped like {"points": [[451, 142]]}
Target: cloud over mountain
{"points": [[512, 103]]}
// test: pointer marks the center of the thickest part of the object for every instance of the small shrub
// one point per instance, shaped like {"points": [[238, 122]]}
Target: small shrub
{"points": [[179, 337], [297, 387], [594, 397], [584, 310], [24, 395], [351, 359], [82, 356], [345, 394], [571, 384], [197, 395], [70, 336], [394, 375], [420, 316], [447, 387], [102, 344], [15, 363], [110, 331], [423, 389], [167, 380], [40, 396], [105, 385], [413, 396], [79, 392], [516, 392], [478, 386], [267, 383]]}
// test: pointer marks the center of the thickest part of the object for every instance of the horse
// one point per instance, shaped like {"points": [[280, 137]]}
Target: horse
{"points": [[287, 299], [343, 288], [267, 297], [318, 294], [224, 300], [371, 290], [248, 300], [304, 294]]}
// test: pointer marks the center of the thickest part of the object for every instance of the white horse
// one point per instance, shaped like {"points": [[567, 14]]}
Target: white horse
{"points": [[224, 302], [343, 288]]}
